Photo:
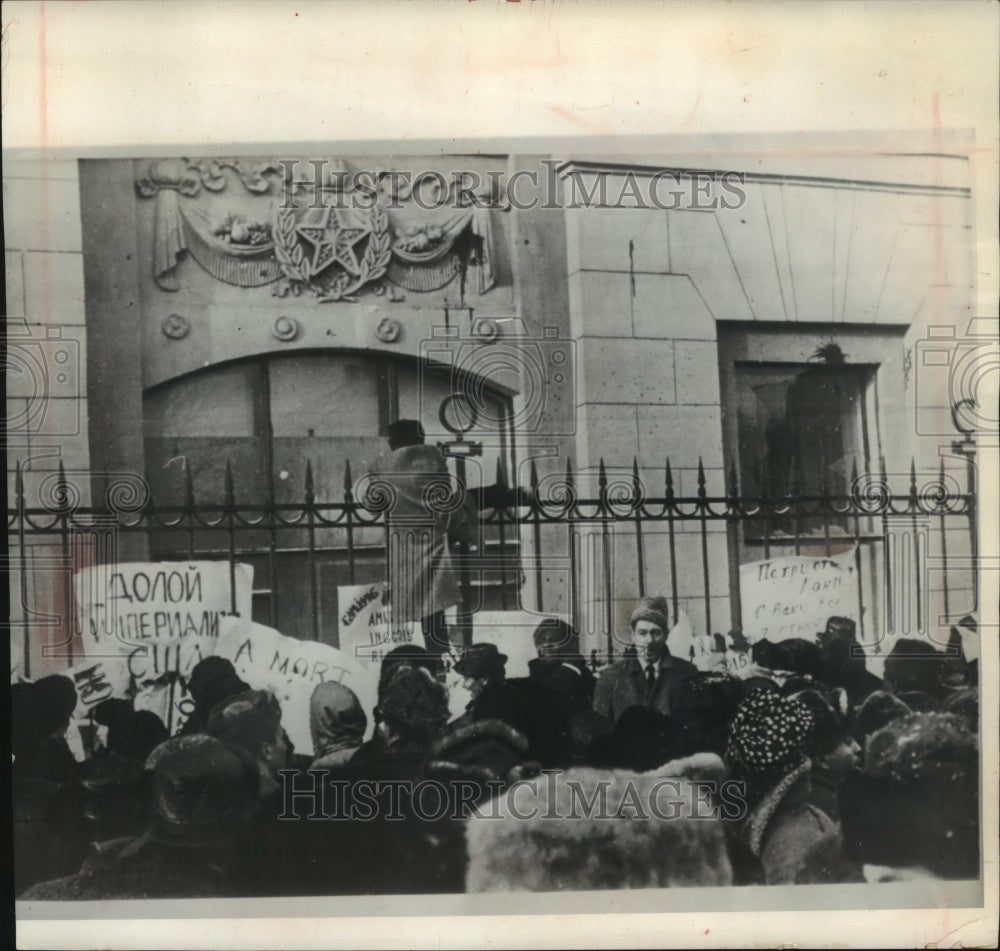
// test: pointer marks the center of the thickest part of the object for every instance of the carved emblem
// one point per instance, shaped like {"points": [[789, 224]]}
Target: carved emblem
{"points": [[285, 328], [388, 330], [330, 251], [175, 327]]}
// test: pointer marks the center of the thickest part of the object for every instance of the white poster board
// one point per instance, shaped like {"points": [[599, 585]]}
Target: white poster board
{"points": [[793, 596], [365, 628], [291, 669], [145, 625]]}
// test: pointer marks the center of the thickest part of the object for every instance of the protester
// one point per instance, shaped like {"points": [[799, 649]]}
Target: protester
{"points": [[831, 750], [422, 578], [767, 750], [337, 724], [915, 667], [844, 658], [55, 700], [524, 703], [250, 725], [650, 678], [560, 666], [879, 709], [201, 799], [913, 811], [213, 680], [38, 851]]}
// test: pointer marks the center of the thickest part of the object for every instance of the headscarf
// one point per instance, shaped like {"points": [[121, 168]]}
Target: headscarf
{"points": [[768, 738], [336, 720]]}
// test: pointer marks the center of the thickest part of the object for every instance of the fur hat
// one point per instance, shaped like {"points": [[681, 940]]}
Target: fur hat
{"points": [[647, 835], [916, 803], [655, 611], [829, 726], [879, 709], [794, 654], [558, 634], [201, 792], [413, 704]]}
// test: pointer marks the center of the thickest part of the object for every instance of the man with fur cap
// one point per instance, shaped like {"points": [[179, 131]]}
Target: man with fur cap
{"points": [[651, 677]]}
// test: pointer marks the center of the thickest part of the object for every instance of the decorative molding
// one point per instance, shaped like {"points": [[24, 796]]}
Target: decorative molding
{"points": [[285, 328], [388, 330], [175, 327]]}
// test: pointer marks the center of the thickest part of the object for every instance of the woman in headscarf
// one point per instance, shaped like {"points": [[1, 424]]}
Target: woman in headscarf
{"points": [[337, 724], [767, 750]]}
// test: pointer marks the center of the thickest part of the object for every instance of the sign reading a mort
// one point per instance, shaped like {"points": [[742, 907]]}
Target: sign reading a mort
{"points": [[792, 596], [147, 620], [290, 668], [365, 627]]}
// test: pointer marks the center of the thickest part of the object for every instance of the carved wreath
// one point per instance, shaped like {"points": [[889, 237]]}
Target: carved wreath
{"points": [[342, 285]]}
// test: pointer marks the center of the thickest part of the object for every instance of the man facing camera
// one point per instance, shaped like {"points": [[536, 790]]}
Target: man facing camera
{"points": [[651, 677]]}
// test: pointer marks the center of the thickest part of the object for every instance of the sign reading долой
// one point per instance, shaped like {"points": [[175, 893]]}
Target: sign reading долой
{"points": [[291, 668], [145, 625], [792, 596]]}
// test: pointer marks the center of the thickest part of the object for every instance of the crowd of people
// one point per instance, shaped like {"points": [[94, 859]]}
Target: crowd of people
{"points": [[805, 768]]}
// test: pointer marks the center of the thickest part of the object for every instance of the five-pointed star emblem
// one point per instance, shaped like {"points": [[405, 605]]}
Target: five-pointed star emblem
{"points": [[333, 242]]}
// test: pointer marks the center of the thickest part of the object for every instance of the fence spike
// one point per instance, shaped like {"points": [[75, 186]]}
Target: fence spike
{"points": [[701, 479], [533, 476], [230, 495], [913, 479], [669, 481], [348, 481], [500, 480], [854, 473], [19, 485], [569, 473], [602, 474], [310, 485]]}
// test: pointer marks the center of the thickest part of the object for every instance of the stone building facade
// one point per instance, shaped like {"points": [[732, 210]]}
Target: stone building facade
{"points": [[781, 321]]}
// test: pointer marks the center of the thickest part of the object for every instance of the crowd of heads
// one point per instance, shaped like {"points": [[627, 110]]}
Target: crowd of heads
{"points": [[819, 771]]}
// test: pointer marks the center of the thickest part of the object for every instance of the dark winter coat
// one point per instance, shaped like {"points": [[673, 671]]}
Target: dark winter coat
{"points": [[624, 685]]}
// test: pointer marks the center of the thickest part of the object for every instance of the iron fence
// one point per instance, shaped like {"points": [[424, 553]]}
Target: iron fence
{"points": [[301, 552]]}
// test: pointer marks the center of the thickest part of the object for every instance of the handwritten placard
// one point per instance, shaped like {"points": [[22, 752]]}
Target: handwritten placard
{"points": [[792, 596], [291, 668], [365, 626]]}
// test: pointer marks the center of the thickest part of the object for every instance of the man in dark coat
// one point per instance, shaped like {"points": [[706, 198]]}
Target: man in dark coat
{"points": [[560, 666], [651, 677], [845, 661], [522, 702]]}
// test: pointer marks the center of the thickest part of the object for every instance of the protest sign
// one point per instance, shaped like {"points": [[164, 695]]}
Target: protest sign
{"points": [[365, 626], [291, 669], [145, 625], [792, 596]]}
